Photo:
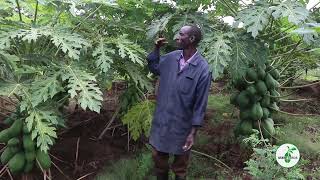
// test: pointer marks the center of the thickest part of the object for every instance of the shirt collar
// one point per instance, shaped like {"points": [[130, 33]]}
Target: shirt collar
{"points": [[192, 60]]}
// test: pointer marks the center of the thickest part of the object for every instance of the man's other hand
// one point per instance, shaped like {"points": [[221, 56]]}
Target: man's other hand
{"points": [[160, 42], [189, 142]]}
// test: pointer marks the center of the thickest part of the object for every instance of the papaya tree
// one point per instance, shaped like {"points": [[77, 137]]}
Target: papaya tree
{"points": [[51, 51]]}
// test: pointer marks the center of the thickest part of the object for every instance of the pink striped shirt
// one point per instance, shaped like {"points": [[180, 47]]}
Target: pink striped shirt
{"points": [[182, 61]]}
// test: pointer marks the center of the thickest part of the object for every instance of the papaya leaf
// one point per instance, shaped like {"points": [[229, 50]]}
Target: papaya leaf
{"points": [[83, 87], [41, 124], [293, 10], [68, 42], [309, 35], [4, 40], [139, 118], [102, 53], [217, 51], [255, 17], [32, 34], [43, 89], [9, 88], [158, 25], [135, 74], [126, 48]]}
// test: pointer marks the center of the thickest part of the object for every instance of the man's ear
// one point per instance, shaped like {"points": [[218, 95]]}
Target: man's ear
{"points": [[192, 38]]}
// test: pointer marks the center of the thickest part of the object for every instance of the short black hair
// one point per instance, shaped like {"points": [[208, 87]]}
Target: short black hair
{"points": [[196, 32]]}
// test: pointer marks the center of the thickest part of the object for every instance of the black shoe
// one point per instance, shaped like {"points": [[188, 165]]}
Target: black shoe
{"points": [[180, 178], [162, 176]]}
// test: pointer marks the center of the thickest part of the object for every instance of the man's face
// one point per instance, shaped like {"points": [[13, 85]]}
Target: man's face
{"points": [[183, 39]]}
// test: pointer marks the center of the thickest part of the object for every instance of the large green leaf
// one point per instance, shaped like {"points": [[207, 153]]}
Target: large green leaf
{"points": [[127, 48], [139, 118], [42, 125], [83, 87], [44, 89], [309, 35], [255, 17], [158, 25], [135, 75], [293, 10], [68, 42], [245, 51], [10, 88], [102, 53], [217, 51], [4, 40]]}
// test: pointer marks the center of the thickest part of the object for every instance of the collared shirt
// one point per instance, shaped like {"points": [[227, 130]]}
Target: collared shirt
{"points": [[183, 62]]}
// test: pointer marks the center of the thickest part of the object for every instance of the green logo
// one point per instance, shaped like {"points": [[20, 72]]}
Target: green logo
{"points": [[287, 155]]}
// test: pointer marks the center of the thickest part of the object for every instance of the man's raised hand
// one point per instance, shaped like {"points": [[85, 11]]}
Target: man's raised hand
{"points": [[160, 42]]}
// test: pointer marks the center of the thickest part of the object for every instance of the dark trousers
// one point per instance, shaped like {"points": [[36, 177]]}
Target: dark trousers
{"points": [[179, 165]]}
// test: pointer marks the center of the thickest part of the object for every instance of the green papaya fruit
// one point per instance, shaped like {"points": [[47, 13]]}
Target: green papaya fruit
{"points": [[243, 100], [30, 156], [245, 114], [261, 73], [4, 136], [16, 128], [261, 88], [43, 159], [245, 127], [275, 73], [256, 111], [6, 155], [268, 128], [274, 107], [266, 113], [28, 143], [25, 129], [13, 142], [270, 82], [265, 101], [16, 163], [275, 96], [251, 75], [251, 90]]}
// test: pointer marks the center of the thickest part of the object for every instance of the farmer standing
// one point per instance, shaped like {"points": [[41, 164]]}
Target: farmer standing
{"points": [[181, 101]]}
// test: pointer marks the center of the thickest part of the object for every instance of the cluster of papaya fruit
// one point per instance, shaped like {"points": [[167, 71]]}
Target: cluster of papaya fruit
{"points": [[21, 153], [257, 99]]}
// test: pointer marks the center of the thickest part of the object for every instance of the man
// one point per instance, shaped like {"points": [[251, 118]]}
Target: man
{"points": [[181, 101]]}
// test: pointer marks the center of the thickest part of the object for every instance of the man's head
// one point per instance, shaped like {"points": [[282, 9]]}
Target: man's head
{"points": [[188, 36]]}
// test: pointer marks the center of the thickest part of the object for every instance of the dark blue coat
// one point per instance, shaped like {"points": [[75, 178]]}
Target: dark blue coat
{"points": [[181, 100]]}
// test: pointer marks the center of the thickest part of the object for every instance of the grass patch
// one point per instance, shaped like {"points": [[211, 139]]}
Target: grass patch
{"points": [[137, 168], [221, 106], [312, 75], [302, 131]]}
